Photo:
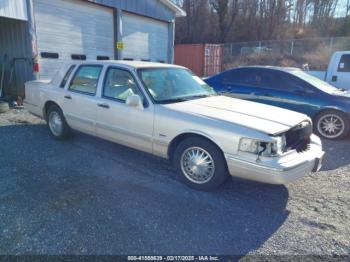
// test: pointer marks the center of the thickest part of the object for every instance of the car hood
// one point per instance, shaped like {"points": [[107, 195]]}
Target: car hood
{"points": [[343, 94], [268, 119]]}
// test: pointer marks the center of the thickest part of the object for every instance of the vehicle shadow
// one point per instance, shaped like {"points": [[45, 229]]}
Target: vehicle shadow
{"points": [[336, 154], [90, 196]]}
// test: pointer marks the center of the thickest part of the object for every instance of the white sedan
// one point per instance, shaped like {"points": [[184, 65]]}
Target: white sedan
{"points": [[167, 111]]}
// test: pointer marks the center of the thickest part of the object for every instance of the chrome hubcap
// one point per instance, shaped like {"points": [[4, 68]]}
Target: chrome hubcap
{"points": [[331, 126], [55, 123], [197, 165]]}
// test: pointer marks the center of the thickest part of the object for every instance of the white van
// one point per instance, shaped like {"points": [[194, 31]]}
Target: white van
{"points": [[338, 73]]}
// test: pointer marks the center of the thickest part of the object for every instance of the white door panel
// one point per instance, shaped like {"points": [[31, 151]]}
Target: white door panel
{"points": [[144, 38], [338, 73], [125, 125], [80, 111], [79, 102], [72, 27], [119, 122], [343, 72]]}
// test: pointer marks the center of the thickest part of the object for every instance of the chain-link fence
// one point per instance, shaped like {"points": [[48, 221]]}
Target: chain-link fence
{"points": [[316, 52]]}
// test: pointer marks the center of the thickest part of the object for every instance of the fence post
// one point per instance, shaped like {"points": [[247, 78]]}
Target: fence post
{"points": [[331, 43], [292, 48], [259, 47]]}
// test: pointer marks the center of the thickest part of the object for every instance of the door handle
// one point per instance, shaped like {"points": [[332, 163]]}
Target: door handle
{"points": [[67, 97], [103, 105], [334, 78]]}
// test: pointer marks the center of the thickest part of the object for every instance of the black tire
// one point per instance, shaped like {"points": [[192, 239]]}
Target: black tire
{"points": [[220, 173], [344, 120], [65, 130]]}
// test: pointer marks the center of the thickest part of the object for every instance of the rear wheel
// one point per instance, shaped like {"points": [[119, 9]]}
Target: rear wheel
{"points": [[332, 124], [57, 124], [200, 164]]}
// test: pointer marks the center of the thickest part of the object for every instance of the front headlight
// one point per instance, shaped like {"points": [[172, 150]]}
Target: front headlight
{"points": [[262, 148]]}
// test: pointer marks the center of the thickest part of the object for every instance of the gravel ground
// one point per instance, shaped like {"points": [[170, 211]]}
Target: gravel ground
{"points": [[89, 196]]}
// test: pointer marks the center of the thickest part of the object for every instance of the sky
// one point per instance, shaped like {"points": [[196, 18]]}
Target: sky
{"points": [[341, 10]]}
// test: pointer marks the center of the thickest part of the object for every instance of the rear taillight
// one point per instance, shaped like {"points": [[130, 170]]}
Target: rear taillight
{"points": [[36, 68]]}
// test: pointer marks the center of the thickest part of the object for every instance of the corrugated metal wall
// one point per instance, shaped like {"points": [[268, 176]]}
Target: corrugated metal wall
{"points": [[145, 38], [14, 42], [190, 56], [202, 59], [151, 8], [15, 39], [16, 9], [213, 63]]}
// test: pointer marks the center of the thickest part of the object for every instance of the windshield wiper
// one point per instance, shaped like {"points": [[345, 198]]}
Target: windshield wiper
{"points": [[200, 96], [183, 99], [174, 100]]}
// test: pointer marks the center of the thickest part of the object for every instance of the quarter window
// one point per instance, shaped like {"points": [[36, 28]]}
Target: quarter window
{"points": [[344, 64], [86, 79], [65, 79], [119, 84]]}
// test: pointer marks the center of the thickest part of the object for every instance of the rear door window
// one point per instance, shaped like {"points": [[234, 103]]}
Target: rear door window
{"points": [[344, 64], [86, 79], [267, 79], [273, 79]]}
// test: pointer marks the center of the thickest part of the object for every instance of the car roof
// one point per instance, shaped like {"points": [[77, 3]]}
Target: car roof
{"points": [[279, 68], [127, 64]]}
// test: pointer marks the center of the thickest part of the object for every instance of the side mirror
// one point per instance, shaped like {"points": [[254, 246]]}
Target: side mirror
{"points": [[134, 101]]}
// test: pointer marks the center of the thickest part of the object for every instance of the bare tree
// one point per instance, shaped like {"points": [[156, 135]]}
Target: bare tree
{"points": [[226, 11], [220, 21]]}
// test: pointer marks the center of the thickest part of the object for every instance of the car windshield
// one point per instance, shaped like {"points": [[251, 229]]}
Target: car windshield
{"points": [[316, 82], [170, 85]]}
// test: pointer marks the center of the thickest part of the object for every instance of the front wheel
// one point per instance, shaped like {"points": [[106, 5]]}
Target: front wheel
{"points": [[200, 164], [332, 124]]}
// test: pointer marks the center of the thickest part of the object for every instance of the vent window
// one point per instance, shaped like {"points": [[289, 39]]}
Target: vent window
{"points": [[78, 57], [67, 75], [49, 55], [100, 57]]}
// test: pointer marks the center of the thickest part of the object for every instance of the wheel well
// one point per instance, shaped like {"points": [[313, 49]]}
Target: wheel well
{"points": [[325, 110], [177, 140], [47, 105]]}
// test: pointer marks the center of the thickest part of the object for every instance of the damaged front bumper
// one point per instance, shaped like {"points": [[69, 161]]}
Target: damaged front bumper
{"points": [[278, 170]]}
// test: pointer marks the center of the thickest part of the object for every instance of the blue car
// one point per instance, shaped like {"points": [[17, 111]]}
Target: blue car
{"points": [[293, 89]]}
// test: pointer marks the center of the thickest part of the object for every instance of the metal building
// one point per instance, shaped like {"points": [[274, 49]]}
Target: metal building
{"points": [[43, 34]]}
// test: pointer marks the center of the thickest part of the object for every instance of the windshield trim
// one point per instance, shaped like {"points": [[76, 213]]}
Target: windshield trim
{"points": [[176, 100]]}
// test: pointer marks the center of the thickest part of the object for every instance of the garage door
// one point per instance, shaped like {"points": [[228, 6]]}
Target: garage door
{"points": [[144, 38], [69, 30]]}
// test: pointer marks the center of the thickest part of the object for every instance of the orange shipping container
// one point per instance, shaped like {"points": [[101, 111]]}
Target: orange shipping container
{"points": [[202, 59]]}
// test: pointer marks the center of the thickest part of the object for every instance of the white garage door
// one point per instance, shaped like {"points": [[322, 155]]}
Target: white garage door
{"points": [[68, 30], [144, 38]]}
